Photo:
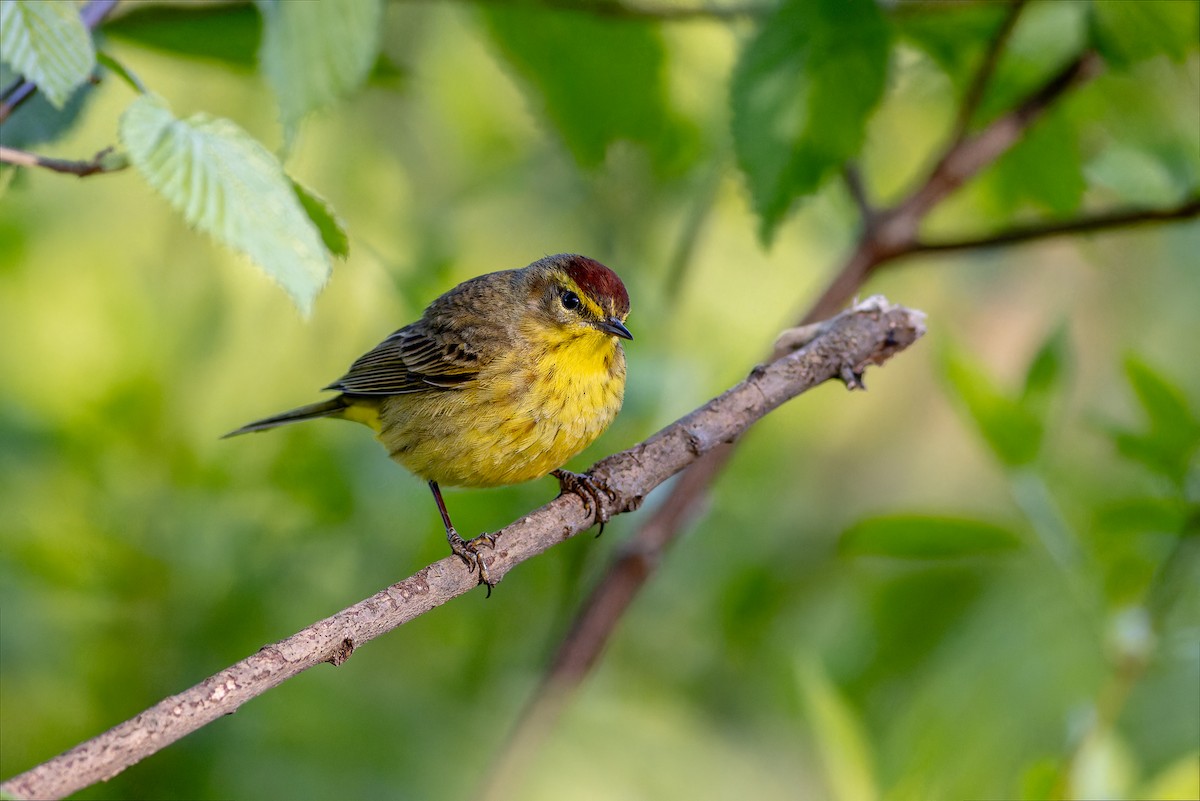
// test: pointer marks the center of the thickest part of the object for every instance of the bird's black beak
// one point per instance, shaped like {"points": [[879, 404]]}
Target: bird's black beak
{"points": [[615, 327]]}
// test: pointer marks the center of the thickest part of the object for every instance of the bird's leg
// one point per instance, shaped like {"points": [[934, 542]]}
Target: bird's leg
{"points": [[589, 491], [466, 550]]}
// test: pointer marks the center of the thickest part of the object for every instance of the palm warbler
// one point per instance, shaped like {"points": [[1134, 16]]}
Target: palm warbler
{"points": [[502, 380]]}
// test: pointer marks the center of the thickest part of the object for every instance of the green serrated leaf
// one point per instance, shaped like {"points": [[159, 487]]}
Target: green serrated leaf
{"points": [[1012, 431], [598, 82], [227, 184], [48, 44], [1128, 31], [801, 95], [315, 53], [925, 537], [331, 227]]}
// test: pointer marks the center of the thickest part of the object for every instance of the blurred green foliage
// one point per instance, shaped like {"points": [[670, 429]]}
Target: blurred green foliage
{"points": [[49, 44], [980, 579], [800, 96]]}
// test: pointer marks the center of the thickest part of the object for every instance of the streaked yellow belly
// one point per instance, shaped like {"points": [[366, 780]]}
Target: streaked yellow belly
{"points": [[518, 421]]}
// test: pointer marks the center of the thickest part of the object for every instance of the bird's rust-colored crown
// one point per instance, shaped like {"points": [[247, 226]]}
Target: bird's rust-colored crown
{"points": [[597, 280]]}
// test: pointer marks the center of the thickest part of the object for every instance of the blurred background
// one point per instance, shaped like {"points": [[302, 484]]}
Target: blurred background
{"points": [[881, 600]]}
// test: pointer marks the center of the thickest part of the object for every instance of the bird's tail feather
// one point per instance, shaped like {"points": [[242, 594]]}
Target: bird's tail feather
{"points": [[330, 408]]}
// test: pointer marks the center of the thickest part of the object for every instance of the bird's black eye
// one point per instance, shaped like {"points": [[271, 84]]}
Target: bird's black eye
{"points": [[570, 300]]}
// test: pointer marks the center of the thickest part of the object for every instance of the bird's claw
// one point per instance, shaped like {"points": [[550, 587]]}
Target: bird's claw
{"points": [[590, 491], [468, 551]]}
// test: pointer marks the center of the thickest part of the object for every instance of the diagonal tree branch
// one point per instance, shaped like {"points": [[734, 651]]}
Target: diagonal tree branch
{"points": [[870, 333]]}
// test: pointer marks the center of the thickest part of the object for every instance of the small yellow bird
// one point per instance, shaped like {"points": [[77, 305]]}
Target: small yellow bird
{"points": [[502, 380]]}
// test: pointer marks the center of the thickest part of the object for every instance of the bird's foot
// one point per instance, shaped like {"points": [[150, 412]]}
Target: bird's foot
{"points": [[468, 551], [590, 491]]}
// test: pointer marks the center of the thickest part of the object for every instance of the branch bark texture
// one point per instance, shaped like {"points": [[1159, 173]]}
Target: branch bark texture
{"points": [[104, 161], [870, 333]]}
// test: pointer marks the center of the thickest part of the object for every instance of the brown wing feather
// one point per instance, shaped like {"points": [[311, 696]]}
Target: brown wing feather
{"points": [[446, 348], [410, 360]]}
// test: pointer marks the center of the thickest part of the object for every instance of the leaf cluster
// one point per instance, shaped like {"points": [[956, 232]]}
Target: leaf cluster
{"points": [[801, 93]]}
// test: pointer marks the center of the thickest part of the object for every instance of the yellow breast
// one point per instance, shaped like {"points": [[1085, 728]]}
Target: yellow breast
{"points": [[525, 415]]}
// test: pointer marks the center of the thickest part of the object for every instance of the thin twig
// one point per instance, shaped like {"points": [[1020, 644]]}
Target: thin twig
{"points": [[987, 68], [1020, 234], [92, 15], [858, 193], [871, 333], [8, 91], [19, 94], [104, 161]]}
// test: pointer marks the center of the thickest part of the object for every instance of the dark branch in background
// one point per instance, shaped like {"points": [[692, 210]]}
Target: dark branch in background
{"points": [[858, 193], [892, 232], [887, 235], [104, 161], [1019, 234], [870, 333], [983, 77], [92, 15]]}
